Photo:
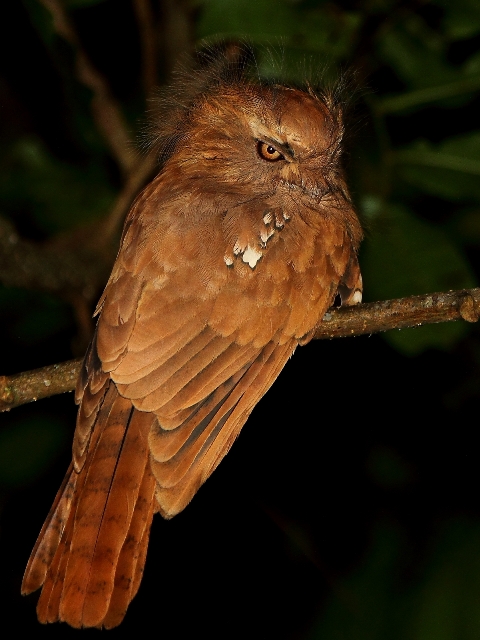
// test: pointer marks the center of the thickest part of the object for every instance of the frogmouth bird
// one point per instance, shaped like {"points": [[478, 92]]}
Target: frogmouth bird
{"points": [[228, 260]]}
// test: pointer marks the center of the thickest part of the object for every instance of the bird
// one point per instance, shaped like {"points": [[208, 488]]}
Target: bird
{"points": [[228, 261]]}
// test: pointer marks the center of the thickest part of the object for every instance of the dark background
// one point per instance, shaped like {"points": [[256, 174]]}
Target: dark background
{"points": [[349, 507]]}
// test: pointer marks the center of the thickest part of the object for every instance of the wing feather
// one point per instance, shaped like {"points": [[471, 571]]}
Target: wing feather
{"points": [[144, 386], [201, 349], [165, 442], [215, 373], [141, 363], [223, 429]]}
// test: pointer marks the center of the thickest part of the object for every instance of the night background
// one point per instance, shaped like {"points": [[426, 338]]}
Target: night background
{"points": [[349, 507]]}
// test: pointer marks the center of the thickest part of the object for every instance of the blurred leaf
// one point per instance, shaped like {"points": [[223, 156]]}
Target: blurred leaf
{"points": [[32, 316], [466, 225], [27, 447], [447, 606], [472, 65], [294, 29], [407, 256], [44, 320], [371, 205], [57, 195], [460, 89], [78, 4], [417, 54], [449, 170], [76, 111], [262, 19], [388, 469], [461, 18], [377, 603], [366, 605], [42, 20]]}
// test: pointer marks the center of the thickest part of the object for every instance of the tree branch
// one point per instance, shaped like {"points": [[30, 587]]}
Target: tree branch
{"points": [[373, 317], [148, 42], [73, 263], [177, 31], [106, 112], [136, 179], [57, 268], [30, 386]]}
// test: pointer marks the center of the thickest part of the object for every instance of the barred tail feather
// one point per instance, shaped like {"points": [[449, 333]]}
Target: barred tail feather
{"points": [[90, 554]]}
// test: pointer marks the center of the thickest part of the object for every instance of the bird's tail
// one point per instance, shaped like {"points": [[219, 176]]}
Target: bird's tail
{"points": [[91, 551]]}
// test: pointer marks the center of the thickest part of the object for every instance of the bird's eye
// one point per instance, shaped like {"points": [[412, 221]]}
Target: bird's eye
{"points": [[268, 152]]}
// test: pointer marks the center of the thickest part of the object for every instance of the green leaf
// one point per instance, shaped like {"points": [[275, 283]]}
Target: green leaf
{"points": [[404, 256], [32, 316], [448, 170], [260, 20], [42, 21], [27, 447], [417, 54], [57, 195], [79, 4], [466, 225], [472, 65], [461, 18], [446, 607], [292, 28], [363, 605], [388, 469], [449, 94], [381, 601]]}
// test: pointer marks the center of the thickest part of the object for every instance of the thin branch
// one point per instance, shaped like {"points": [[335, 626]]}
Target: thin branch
{"points": [[420, 97], [375, 317], [75, 262], [176, 18], [369, 318], [106, 112], [30, 386], [58, 268], [136, 179], [148, 40], [427, 158]]}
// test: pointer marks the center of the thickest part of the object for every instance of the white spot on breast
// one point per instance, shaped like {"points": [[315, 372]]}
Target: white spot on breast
{"points": [[357, 297], [267, 218], [265, 234], [279, 220], [251, 256]]}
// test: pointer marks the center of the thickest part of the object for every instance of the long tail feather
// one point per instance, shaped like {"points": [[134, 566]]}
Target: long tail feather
{"points": [[91, 551], [50, 535]]}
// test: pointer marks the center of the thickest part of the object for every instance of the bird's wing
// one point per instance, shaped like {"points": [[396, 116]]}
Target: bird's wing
{"points": [[185, 347], [197, 343]]}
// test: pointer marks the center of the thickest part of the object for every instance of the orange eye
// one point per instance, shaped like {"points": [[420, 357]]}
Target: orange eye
{"points": [[267, 152]]}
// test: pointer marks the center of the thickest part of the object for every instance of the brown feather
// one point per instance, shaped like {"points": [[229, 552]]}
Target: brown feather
{"points": [[223, 430], [131, 560], [228, 261], [50, 535], [90, 510], [165, 442], [116, 518]]}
